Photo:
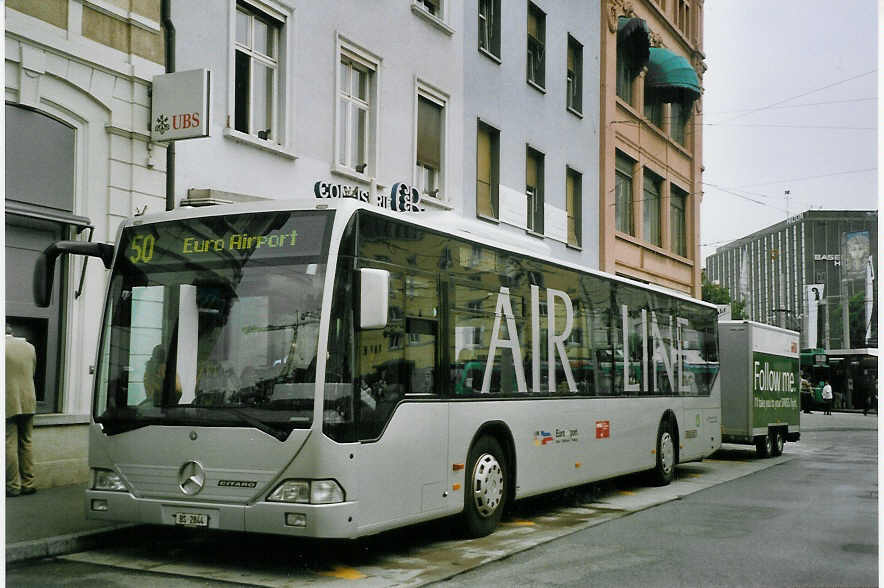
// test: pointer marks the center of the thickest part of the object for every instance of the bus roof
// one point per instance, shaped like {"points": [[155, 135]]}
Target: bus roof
{"points": [[441, 221]]}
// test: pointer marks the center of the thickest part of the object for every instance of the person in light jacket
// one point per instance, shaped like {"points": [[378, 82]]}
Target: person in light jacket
{"points": [[827, 396], [21, 404]]}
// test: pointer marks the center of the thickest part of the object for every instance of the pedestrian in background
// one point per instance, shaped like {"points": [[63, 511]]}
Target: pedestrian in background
{"points": [[827, 396], [21, 404]]}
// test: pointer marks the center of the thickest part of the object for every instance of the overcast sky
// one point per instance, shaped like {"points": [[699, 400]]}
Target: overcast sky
{"points": [[789, 103]]}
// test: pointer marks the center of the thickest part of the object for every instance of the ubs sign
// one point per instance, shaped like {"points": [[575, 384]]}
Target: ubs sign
{"points": [[180, 106]]}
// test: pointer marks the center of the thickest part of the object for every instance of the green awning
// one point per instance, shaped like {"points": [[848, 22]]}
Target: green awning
{"points": [[634, 40], [672, 76]]}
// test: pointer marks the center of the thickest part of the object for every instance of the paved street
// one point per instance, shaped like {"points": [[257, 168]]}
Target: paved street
{"points": [[806, 518]]}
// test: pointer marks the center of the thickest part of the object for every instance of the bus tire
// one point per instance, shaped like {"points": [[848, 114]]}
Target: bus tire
{"points": [[664, 471], [777, 442], [485, 487], [764, 446]]}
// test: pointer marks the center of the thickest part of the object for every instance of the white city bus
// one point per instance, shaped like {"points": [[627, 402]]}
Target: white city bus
{"points": [[334, 369]]}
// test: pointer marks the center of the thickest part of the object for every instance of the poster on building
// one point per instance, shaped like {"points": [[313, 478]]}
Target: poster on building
{"points": [[855, 249], [813, 296]]}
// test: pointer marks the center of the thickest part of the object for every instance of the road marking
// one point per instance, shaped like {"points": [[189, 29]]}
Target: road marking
{"points": [[344, 573]]}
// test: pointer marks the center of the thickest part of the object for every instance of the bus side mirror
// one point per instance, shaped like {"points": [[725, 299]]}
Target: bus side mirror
{"points": [[44, 270], [374, 294]]}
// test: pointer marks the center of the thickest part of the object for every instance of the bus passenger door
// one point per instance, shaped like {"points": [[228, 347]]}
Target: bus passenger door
{"points": [[403, 424]]}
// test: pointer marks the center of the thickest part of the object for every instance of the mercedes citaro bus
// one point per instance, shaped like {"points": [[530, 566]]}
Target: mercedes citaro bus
{"points": [[328, 368]]}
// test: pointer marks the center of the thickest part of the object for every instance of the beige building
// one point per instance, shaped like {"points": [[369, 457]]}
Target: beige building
{"points": [[650, 161]]}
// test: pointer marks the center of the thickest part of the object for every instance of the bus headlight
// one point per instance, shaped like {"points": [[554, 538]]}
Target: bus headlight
{"points": [[326, 492], [108, 480], [308, 492]]}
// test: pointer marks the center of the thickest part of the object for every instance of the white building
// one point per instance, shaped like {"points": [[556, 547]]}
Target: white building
{"points": [[492, 115]]}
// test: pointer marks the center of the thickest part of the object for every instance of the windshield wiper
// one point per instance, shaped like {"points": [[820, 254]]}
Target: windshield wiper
{"points": [[253, 421]]}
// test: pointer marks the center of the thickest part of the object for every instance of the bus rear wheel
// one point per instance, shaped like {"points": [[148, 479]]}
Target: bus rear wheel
{"points": [[664, 471], [486, 487]]}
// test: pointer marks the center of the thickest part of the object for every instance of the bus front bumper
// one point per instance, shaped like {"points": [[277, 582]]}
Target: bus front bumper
{"points": [[299, 520]]}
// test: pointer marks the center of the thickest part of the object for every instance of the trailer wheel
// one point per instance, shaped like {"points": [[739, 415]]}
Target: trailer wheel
{"points": [[664, 471], [778, 441], [485, 487], [764, 446]]}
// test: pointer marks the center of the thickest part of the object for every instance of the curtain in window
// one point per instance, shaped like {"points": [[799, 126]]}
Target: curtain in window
{"points": [[573, 205], [651, 206], [429, 133], [623, 195], [680, 113], [677, 200], [485, 205]]}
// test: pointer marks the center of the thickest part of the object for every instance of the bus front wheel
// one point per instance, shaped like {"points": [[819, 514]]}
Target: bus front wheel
{"points": [[486, 489]]}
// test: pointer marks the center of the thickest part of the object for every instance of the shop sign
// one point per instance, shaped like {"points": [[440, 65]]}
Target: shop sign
{"points": [[401, 198], [180, 106]]}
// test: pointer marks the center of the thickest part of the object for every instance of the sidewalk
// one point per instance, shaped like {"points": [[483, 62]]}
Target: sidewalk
{"points": [[52, 522]]}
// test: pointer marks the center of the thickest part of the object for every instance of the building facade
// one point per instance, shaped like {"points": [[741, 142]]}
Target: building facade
{"points": [[495, 120], [78, 160], [650, 164], [798, 273]]}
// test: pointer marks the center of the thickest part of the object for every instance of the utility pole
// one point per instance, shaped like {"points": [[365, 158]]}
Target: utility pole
{"points": [[169, 47]]}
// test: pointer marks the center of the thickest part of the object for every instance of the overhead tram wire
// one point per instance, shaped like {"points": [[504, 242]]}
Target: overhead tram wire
{"points": [[827, 86]]}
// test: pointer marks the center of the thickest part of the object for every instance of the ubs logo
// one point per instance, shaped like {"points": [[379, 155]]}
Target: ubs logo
{"points": [[191, 478]]}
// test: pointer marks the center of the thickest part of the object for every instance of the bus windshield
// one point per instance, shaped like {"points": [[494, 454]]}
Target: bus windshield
{"points": [[214, 322]]}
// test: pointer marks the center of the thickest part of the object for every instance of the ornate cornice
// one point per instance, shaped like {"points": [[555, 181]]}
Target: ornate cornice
{"points": [[656, 39], [618, 8]]}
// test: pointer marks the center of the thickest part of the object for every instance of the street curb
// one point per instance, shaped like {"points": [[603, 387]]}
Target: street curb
{"points": [[61, 544]]}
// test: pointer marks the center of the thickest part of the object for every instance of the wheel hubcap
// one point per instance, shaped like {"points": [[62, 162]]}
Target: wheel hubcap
{"points": [[487, 485], [667, 452]]}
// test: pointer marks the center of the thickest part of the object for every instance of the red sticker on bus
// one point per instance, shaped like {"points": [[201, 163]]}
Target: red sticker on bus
{"points": [[602, 429]]}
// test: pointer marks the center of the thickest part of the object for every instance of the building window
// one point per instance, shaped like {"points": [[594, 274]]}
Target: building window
{"points": [[573, 205], [257, 76], [677, 220], [653, 107], [430, 136], [534, 189], [487, 170], [489, 27], [356, 126], [651, 209], [683, 17], [575, 75], [679, 114], [536, 40], [625, 75], [432, 7], [623, 194]]}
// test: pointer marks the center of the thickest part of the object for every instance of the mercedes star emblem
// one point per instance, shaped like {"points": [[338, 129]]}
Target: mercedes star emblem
{"points": [[191, 478]]}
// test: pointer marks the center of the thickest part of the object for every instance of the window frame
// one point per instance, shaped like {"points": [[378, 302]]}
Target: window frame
{"points": [[494, 171], [678, 243], [279, 141], [440, 20], [370, 64], [439, 98], [533, 43], [492, 32], [537, 211], [574, 89], [577, 212], [629, 205], [649, 223]]}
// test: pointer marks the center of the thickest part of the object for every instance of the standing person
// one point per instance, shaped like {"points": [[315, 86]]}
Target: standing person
{"points": [[21, 404], [827, 396]]}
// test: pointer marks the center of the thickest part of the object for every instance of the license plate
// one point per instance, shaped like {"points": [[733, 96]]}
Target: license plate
{"points": [[189, 519]]}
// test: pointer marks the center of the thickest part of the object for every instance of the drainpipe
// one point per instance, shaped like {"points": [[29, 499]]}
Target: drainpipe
{"points": [[169, 47]]}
